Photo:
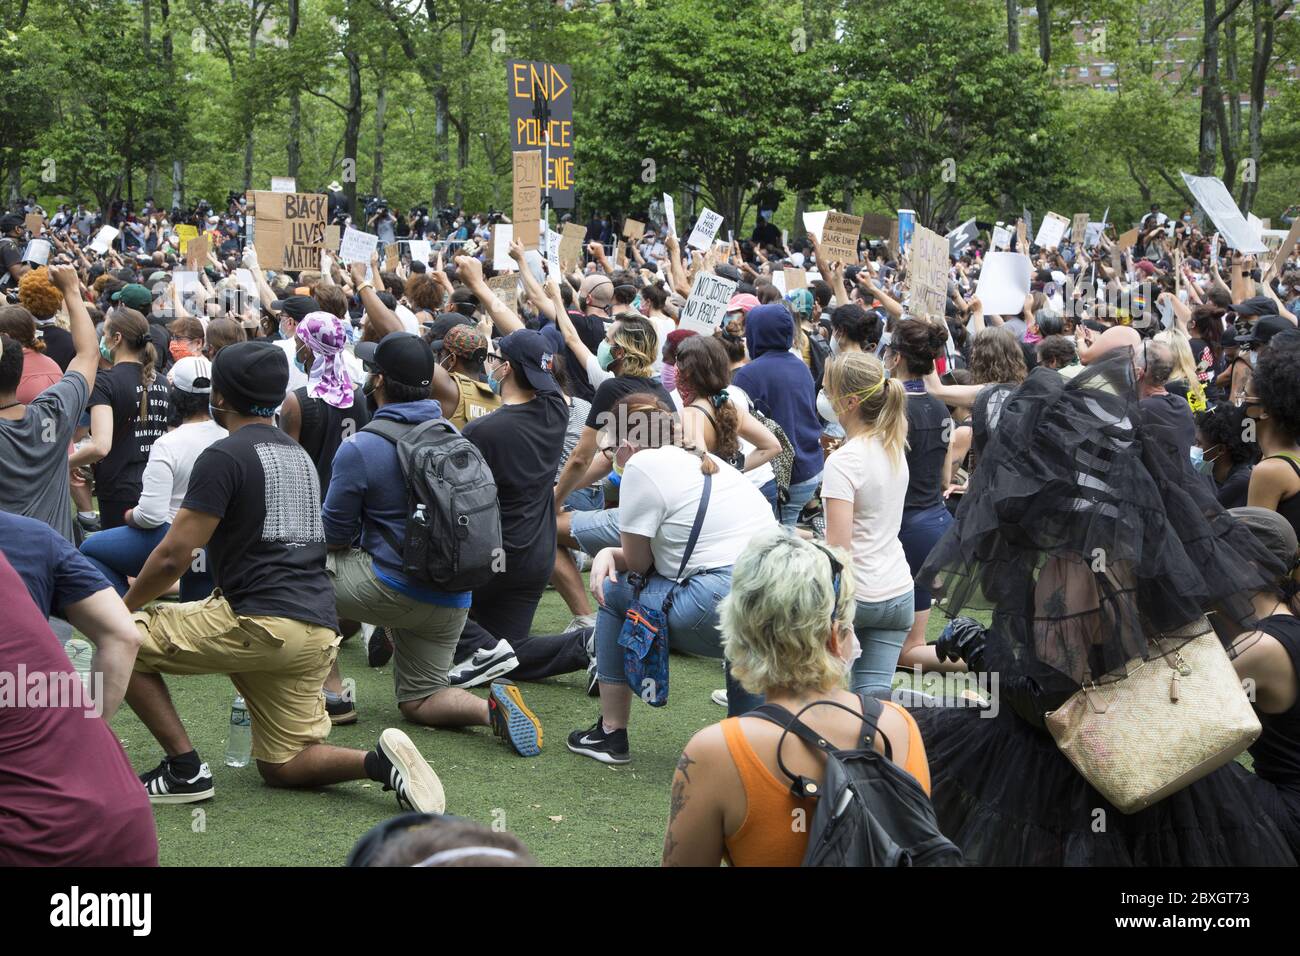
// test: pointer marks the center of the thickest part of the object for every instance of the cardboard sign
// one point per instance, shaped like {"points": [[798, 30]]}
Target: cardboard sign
{"points": [[1214, 198], [1079, 228], [1128, 240], [506, 288], [570, 249], [35, 224], [1284, 251], [333, 237], [633, 230], [533, 86], [288, 229], [794, 278], [877, 226], [929, 273], [1003, 283], [840, 234], [527, 209], [706, 306], [706, 227], [357, 246], [1051, 231], [196, 253], [185, 233], [103, 239], [283, 184]]}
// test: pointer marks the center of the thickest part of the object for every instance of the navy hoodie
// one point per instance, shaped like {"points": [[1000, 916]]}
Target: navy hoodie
{"points": [[781, 385], [367, 491]]}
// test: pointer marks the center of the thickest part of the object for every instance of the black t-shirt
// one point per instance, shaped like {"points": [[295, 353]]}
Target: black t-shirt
{"points": [[118, 474], [1236, 487], [522, 444], [929, 429], [162, 344], [268, 553], [591, 329], [58, 345], [613, 389], [11, 254], [323, 428]]}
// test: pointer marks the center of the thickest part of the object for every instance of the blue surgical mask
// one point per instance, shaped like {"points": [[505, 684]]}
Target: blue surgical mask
{"points": [[297, 363], [1202, 465], [605, 355], [494, 383], [104, 350]]}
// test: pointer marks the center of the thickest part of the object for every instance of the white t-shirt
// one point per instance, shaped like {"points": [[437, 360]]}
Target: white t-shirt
{"points": [[167, 475], [662, 328], [297, 377], [763, 473], [861, 471], [659, 496]]}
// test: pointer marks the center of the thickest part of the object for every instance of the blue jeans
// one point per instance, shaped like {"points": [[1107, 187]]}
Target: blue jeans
{"points": [[589, 498], [596, 530], [919, 533], [799, 495], [692, 623], [121, 552], [770, 492], [881, 627]]}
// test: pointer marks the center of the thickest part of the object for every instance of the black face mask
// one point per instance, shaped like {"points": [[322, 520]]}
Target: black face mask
{"points": [[368, 390]]}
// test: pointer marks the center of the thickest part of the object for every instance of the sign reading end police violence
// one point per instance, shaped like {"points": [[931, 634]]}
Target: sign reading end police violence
{"points": [[532, 84]]}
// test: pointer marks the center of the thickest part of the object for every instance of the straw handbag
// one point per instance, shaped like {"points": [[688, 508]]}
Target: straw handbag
{"points": [[1162, 725]]}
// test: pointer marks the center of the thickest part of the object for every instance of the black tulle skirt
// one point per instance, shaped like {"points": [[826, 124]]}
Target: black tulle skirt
{"points": [[1006, 795]]}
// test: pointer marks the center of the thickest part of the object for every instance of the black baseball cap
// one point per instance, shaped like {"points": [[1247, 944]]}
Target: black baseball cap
{"points": [[532, 355], [297, 307], [399, 356], [1262, 332]]}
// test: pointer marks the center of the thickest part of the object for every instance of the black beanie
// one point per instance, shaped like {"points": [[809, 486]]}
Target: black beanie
{"points": [[252, 377]]}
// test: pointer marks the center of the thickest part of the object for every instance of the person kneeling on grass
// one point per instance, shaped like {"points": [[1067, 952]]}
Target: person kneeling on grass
{"points": [[673, 546], [254, 503], [368, 494]]}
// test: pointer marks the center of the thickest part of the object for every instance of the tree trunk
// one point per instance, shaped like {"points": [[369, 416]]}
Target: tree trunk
{"points": [[1264, 16], [1045, 31], [1013, 26], [293, 148], [248, 121], [1210, 93], [178, 183], [352, 130], [381, 108], [441, 108], [1232, 135]]}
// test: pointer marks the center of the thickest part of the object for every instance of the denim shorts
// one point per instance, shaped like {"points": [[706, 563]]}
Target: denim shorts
{"points": [[595, 530]]}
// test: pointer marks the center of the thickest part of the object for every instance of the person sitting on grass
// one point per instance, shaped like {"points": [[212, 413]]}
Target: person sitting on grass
{"points": [[427, 839], [254, 503], [787, 629]]}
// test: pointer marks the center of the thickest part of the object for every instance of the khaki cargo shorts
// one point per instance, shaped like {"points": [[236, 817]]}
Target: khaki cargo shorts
{"points": [[277, 664]]}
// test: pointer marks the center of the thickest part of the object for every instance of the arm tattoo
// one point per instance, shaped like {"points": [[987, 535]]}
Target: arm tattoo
{"points": [[683, 766]]}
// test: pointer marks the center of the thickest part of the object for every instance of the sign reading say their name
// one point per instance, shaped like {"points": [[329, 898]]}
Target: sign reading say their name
{"points": [[706, 227], [531, 83], [707, 304], [288, 229]]}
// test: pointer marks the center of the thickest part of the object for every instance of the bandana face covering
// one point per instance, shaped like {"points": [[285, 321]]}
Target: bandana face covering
{"points": [[329, 381]]}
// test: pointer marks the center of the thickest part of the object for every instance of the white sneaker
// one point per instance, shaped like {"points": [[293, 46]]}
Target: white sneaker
{"points": [[484, 666], [580, 622], [719, 697]]}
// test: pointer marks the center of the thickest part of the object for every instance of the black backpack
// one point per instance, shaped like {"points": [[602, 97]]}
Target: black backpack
{"points": [[870, 812], [453, 530]]}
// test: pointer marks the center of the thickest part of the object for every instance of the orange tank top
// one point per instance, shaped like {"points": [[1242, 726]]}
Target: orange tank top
{"points": [[775, 831]]}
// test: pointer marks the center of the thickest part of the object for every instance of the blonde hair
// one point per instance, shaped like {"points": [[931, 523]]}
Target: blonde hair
{"points": [[643, 419], [639, 341], [882, 407], [777, 617], [1184, 365]]}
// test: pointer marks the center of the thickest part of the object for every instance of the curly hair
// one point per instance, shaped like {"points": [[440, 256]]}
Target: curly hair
{"points": [[857, 325], [705, 370], [37, 293], [1277, 382], [424, 293], [1223, 424], [997, 359]]}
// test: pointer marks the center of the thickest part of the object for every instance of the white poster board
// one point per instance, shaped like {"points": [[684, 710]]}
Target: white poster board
{"points": [[283, 184], [103, 239], [670, 215], [1002, 237], [706, 227], [706, 306], [1051, 231], [357, 246], [1003, 283], [421, 249], [502, 235], [1212, 196]]}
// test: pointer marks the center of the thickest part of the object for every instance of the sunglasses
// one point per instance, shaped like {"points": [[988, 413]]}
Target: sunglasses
{"points": [[837, 571]]}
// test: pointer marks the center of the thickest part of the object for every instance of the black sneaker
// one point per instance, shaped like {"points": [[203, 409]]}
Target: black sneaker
{"points": [[593, 681], [598, 745], [409, 774], [89, 525], [483, 666], [379, 647], [512, 720], [341, 712], [164, 786]]}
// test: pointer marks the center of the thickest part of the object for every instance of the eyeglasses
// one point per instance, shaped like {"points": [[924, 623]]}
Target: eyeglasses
{"points": [[837, 571], [609, 451]]}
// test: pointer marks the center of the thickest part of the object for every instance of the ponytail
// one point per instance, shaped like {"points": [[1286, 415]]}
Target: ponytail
{"points": [[882, 405], [148, 374], [134, 329], [891, 424]]}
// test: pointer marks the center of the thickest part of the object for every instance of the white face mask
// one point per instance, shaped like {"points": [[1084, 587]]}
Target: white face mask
{"points": [[855, 651], [825, 409], [835, 344]]}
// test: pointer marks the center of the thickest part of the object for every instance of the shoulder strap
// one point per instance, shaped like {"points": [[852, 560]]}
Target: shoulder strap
{"points": [[712, 421], [776, 714], [698, 523], [1289, 459], [387, 428]]}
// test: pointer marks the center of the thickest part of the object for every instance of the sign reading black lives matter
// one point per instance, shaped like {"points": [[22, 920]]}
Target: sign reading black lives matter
{"points": [[707, 304], [526, 80]]}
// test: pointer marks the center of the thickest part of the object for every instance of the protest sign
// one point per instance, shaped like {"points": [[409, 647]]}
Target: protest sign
{"points": [[778, 280], [876, 226], [1079, 228], [794, 278], [633, 230], [288, 229], [1003, 283], [527, 209], [550, 243], [37, 252], [35, 224], [707, 304], [1214, 198], [1001, 237], [1127, 240], [1051, 231], [929, 271], [185, 232], [571, 240], [706, 227], [1028, 217], [540, 96], [1284, 251], [961, 237], [670, 215], [840, 234], [248, 286], [103, 239], [506, 288], [502, 235], [333, 236], [196, 253], [357, 246], [815, 222], [283, 184], [906, 226], [420, 249]]}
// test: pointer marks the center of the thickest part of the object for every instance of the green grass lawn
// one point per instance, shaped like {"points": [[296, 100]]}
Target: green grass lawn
{"points": [[569, 810]]}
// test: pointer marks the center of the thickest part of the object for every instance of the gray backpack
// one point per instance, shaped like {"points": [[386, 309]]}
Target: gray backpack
{"points": [[453, 528]]}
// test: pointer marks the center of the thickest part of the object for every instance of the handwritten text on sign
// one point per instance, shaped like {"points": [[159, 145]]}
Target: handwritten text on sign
{"points": [[289, 229], [707, 304]]}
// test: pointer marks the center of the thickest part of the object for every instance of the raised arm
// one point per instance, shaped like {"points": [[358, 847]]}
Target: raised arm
{"points": [[84, 340], [470, 271], [532, 288], [380, 316]]}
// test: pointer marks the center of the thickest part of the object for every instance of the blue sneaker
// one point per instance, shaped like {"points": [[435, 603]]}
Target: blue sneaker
{"points": [[512, 720]]}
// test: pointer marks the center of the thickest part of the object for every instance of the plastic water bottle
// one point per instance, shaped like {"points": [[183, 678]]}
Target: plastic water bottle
{"points": [[239, 745]]}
